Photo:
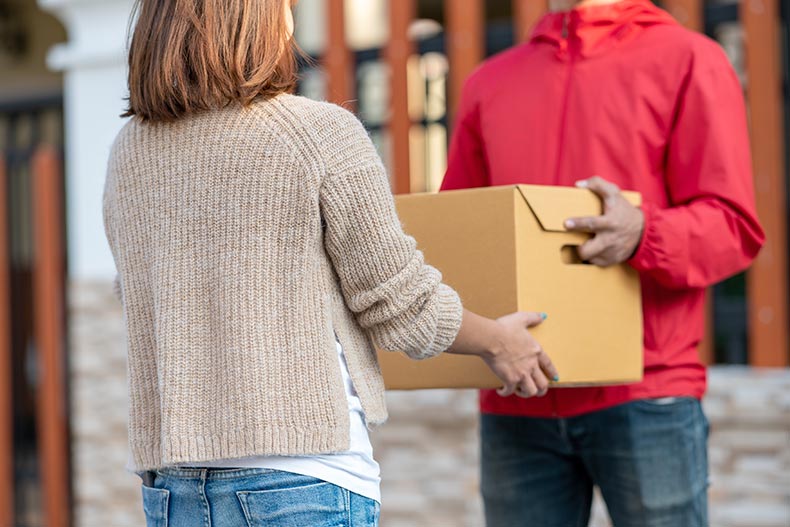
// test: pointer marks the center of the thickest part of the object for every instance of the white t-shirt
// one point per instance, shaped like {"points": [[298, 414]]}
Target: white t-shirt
{"points": [[354, 469]]}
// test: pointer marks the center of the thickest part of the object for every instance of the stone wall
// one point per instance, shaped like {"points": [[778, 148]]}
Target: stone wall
{"points": [[749, 453], [105, 495], [428, 449]]}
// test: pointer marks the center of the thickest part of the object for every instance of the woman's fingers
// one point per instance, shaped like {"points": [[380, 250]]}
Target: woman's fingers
{"points": [[527, 319], [541, 382], [536, 382], [527, 388], [506, 391], [532, 319], [548, 367]]}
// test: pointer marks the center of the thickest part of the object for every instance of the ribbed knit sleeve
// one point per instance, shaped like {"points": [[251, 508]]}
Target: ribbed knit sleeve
{"points": [[116, 287], [395, 296]]}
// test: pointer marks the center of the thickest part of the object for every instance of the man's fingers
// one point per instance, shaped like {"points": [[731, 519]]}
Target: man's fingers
{"points": [[548, 367], [592, 248], [588, 224], [601, 261], [600, 186]]}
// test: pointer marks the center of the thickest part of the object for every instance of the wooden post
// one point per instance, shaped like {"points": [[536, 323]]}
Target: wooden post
{"points": [[688, 12], [6, 377], [338, 60], [465, 21], [49, 331], [399, 48], [767, 280], [525, 14]]}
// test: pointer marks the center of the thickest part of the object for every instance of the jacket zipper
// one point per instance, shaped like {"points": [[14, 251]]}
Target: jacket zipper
{"points": [[566, 95]]}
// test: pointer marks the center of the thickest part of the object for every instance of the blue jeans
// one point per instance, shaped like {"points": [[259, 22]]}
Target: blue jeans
{"points": [[252, 497], [648, 457]]}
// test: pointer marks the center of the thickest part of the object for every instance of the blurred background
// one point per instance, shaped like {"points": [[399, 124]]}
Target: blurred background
{"points": [[399, 64]]}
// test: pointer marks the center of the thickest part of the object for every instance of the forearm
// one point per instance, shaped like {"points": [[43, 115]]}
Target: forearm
{"points": [[696, 245], [478, 336]]}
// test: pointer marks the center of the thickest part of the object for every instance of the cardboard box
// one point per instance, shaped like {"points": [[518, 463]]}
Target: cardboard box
{"points": [[505, 249]]}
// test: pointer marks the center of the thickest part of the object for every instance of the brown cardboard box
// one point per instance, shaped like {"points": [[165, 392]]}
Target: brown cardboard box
{"points": [[505, 249]]}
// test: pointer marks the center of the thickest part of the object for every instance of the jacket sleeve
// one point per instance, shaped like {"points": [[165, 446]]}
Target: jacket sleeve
{"points": [[710, 229], [394, 295], [466, 162]]}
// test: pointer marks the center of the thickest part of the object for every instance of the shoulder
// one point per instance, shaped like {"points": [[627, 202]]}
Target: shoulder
{"points": [[324, 129], [127, 139], [495, 69], [317, 117], [695, 51]]}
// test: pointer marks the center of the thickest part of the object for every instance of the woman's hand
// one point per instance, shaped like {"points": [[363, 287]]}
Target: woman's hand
{"points": [[519, 360], [509, 350]]}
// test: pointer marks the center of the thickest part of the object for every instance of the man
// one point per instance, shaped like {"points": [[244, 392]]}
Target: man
{"points": [[617, 90]]}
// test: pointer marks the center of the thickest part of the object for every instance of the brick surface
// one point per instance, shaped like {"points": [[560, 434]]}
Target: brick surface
{"points": [[105, 494], [428, 450]]}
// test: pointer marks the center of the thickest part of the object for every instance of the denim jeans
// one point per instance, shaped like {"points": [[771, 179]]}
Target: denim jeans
{"points": [[252, 497], [648, 457]]}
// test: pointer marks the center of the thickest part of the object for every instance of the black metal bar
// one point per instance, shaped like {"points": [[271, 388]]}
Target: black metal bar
{"points": [[717, 14], [34, 105]]}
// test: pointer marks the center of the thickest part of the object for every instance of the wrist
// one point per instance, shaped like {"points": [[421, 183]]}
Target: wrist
{"points": [[494, 345], [640, 234]]}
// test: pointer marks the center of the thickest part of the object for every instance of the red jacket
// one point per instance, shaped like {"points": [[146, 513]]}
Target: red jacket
{"points": [[624, 92]]}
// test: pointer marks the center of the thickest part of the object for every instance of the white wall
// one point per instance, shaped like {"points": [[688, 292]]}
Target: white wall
{"points": [[93, 63]]}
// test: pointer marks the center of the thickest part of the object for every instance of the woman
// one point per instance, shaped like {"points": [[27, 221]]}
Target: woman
{"points": [[259, 258]]}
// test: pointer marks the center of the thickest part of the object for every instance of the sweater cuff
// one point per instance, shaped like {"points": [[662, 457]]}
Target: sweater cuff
{"points": [[648, 253], [450, 315]]}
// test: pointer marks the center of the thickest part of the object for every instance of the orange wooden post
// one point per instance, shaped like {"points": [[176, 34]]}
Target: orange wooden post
{"points": [[338, 59], [687, 12], [48, 284], [525, 14], [767, 280], [465, 21], [6, 376], [397, 53]]}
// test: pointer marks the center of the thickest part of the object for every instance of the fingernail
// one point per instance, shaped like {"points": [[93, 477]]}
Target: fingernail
{"points": [[582, 184], [544, 316], [569, 224], [556, 378]]}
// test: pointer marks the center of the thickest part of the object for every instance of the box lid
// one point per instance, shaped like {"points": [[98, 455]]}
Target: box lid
{"points": [[553, 205]]}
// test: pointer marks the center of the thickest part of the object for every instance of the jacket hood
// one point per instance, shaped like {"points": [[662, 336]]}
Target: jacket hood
{"points": [[593, 30]]}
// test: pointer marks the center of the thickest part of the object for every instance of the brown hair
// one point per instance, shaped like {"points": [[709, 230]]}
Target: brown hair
{"points": [[193, 55]]}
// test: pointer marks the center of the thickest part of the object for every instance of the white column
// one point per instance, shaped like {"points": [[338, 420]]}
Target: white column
{"points": [[93, 63]]}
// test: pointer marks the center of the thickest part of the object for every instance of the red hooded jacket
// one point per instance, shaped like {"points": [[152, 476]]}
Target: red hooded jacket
{"points": [[624, 92]]}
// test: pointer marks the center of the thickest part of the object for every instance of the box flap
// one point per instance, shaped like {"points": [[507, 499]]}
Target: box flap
{"points": [[553, 205]]}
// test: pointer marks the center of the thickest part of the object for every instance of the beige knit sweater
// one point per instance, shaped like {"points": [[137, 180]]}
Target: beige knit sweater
{"points": [[246, 240]]}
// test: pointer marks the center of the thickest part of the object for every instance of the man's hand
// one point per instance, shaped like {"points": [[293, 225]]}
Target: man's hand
{"points": [[617, 233]]}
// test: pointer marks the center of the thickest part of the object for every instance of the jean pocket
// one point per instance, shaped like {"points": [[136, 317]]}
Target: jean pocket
{"points": [[155, 505], [318, 505], [668, 403]]}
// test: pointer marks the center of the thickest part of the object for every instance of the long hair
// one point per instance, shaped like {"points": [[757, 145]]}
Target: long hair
{"points": [[192, 55]]}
